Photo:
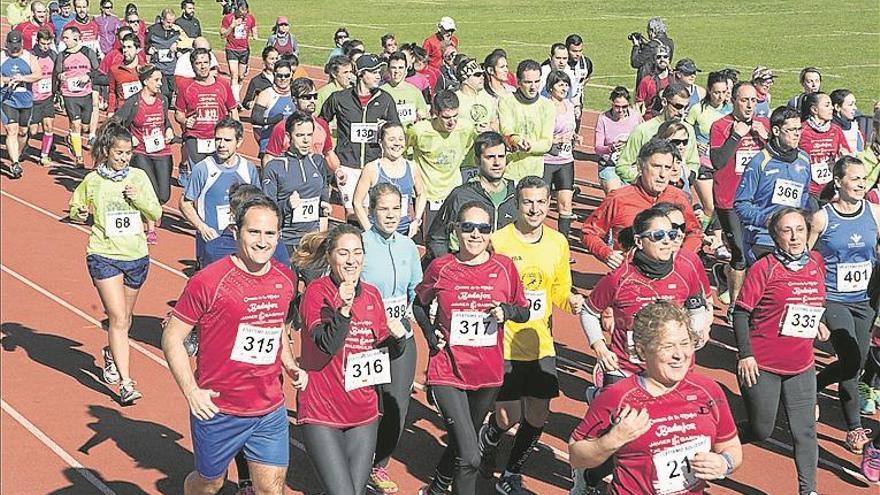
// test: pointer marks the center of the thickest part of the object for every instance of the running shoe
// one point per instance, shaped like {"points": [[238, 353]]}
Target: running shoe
{"points": [[487, 452], [110, 373], [79, 162], [15, 170], [45, 160], [581, 487], [510, 485], [871, 463], [128, 394], [730, 314], [722, 253], [191, 343], [152, 238], [380, 482], [246, 489], [856, 439], [867, 400], [90, 142]]}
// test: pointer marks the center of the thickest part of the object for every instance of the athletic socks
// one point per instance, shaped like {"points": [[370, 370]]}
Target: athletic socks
{"points": [[46, 146], [77, 144], [439, 485], [244, 473], [565, 224], [526, 438]]}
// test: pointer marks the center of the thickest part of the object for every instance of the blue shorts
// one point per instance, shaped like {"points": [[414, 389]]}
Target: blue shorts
{"points": [[608, 173], [264, 440], [134, 273]]}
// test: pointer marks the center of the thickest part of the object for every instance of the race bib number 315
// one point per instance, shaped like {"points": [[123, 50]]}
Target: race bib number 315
{"points": [[256, 345]]}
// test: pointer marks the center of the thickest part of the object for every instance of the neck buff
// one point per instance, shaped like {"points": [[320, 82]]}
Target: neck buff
{"points": [[652, 269], [108, 173], [792, 263], [818, 126], [780, 152], [524, 99], [842, 121]]}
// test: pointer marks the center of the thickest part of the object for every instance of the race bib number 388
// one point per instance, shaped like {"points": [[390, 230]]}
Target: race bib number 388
{"points": [[256, 345]]}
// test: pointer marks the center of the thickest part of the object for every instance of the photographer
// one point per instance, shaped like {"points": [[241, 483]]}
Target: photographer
{"points": [[642, 56]]}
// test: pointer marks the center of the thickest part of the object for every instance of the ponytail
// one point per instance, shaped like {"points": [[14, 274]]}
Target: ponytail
{"points": [[314, 248], [106, 136]]}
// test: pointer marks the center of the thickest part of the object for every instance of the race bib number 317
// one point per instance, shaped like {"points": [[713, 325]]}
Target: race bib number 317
{"points": [[473, 329]]}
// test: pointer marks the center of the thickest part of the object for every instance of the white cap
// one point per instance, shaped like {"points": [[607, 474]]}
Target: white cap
{"points": [[446, 23]]}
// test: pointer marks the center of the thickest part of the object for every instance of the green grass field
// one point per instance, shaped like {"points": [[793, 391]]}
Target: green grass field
{"points": [[840, 37]]}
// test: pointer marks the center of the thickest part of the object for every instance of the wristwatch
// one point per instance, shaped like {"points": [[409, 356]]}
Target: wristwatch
{"points": [[729, 460]]}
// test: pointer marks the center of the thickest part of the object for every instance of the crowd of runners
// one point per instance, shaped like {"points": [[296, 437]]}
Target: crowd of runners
{"points": [[446, 166]]}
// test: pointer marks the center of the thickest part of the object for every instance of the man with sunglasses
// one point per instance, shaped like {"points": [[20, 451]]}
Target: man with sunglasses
{"points": [[652, 85], [530, 380], [274, 104], [489, 187], [445, 32], [188, 21], [579, 69], [302, 89], [733, 140], [411, 105], [674, 107], [359, 112], [602, 229], [339, 38]]}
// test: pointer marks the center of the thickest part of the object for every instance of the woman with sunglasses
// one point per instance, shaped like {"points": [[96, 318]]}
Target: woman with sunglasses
{"points": [[676, 133], [778, 316], [476, 108], [476, 292], [347, 346], [273, 104], [845, 233], [668, 429], [385, 247], [612, 130], [133, 20]]}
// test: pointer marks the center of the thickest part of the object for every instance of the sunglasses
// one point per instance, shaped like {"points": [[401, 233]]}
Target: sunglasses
{"points": [[679, 142], [283, 76], [662, 57], [680, 226], [283, 24], [106, 6], [309, 96], [133, 21], [469, 227], [678, 106], [478, 74], [659, 235]]}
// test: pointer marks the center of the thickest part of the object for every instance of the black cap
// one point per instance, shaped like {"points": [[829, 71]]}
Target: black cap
{"points": [[63, 3], [686, 66], [13, 41], [368, 61]]}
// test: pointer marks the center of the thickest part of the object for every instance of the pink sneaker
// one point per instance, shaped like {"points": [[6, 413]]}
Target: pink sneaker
{"points": [[871, 463], [856, 439], [152, 238]]}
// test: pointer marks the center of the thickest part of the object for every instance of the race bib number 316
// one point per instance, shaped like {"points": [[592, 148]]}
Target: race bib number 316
{"points": [[366, 369]]}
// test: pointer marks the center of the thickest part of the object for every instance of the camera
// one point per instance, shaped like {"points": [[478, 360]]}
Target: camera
{"points": [[635, 37]]}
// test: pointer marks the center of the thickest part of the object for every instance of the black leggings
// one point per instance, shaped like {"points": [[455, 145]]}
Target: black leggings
{"points": [[158, 169], [395, 399], [799, 399], [850, 325], [342, 457], [463, 412], [732, 228]]}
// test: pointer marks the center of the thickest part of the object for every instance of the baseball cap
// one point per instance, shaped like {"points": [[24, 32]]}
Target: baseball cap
{"points": [[466, 68], [368, 61], [281, 20], [446, 23], [686, 66], [762, 72], [63, 3], [13, 41]]}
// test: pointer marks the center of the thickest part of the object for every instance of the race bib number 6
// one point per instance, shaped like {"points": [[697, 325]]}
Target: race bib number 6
{"points": [[366, 369], [802, 321], [473, 329], [673, 465], [256, 345]]}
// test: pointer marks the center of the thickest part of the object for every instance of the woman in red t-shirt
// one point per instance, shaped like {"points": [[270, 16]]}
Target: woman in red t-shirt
{"points": [[777, 317], [822, 141], [238, 27], [476, 292], [347, 345], [668, 429]]}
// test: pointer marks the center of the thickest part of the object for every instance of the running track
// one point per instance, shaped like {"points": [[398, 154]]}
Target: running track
{"points": [[64, 433]]}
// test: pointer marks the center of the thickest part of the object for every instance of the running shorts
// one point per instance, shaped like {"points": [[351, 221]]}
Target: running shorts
{"points": [[536, 379], [134, 273]]}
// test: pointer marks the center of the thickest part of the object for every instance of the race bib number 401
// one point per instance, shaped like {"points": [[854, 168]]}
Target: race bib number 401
{"points": [[256, 345], [853, 277], [366, 369], [673, 465], [473, 329]]}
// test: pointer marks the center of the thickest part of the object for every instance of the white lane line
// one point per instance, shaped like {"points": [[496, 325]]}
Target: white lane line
{"points": [[83, 229], [54, 447], [73, 309]]}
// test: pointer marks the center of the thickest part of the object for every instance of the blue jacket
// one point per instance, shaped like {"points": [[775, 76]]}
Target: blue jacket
{"points": [[305, 175], [392, 265], [760, 193]]}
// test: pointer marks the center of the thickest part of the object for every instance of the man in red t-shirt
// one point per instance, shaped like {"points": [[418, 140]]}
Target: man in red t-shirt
{"points": [[29, 28], [654, 83], [305, 97], [239, 305], [88, 28], [445, 31]]}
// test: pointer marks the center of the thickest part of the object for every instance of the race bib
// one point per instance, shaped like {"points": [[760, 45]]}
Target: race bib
{"points": [[364, 133], [743, 157], [435, 205], [802, 321], [853, 277], [120, 223], [164, 55], [406, 113], [44, 85], [224, 217], [537, 304], [469, 173], [473, 329], [820, 172], [673, 465], [77, 83], [131, 89], [366, 369], [155, 142], [565, 150], [307, 211], [256, 345], [206, 146], [395, 306], [787, 193], [240, 32]]}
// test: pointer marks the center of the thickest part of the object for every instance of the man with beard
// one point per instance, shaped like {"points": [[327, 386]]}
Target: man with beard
{"points": [[651, 85], [39, 19], [188, 20]]}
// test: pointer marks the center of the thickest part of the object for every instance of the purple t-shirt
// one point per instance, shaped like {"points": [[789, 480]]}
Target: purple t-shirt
{"points": [[564, 126], [609, 131], [107, 26]]}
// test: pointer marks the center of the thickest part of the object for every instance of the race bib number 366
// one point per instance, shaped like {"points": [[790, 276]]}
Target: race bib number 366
{"points": [[473, 329], [787, 193], [673, 465], [256, 345], [366, 369]]}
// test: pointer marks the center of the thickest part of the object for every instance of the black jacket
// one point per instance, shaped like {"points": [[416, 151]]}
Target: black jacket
{"points": [[346, 108], [440, 230]]}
